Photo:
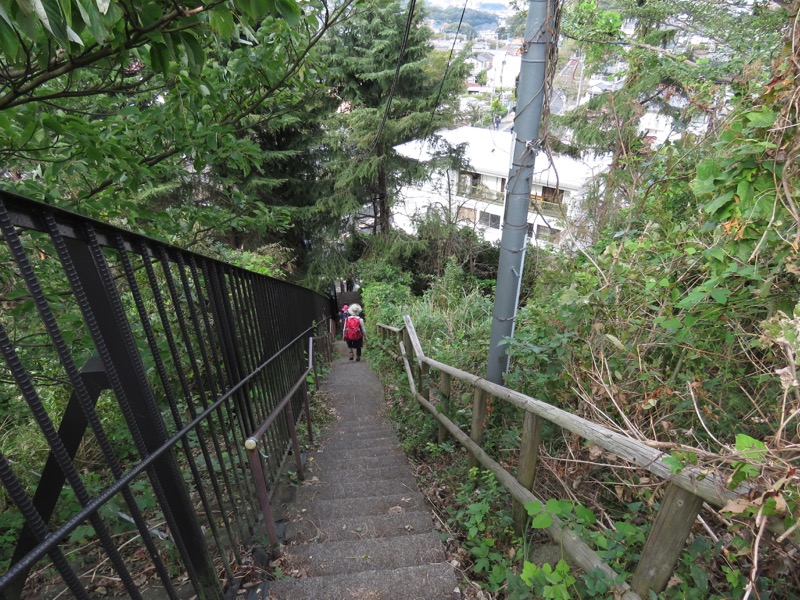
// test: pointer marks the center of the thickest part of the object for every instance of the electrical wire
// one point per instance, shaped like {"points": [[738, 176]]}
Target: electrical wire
{"points": [[411, 6], [444, 77]]}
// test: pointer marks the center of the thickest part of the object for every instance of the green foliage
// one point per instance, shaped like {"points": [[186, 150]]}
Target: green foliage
{"points": [[453, 15], [481, 511], [549, 582]]}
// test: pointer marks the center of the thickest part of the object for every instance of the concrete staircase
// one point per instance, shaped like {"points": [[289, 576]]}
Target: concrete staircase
{"points": [[359, 527]]}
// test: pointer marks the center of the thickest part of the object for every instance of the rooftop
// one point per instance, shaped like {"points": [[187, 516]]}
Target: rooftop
{"points": [[488, 151]]}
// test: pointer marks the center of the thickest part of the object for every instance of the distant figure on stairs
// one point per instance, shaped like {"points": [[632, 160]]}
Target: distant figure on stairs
{"points": [[343, 317], [355, 334]]}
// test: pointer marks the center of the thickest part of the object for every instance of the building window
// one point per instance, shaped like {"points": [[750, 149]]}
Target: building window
{"points": [[503, 184], [547, 234], [466, 214], [548, 202], [469, 178], [529, 233], [489, 220], [553, 195]]}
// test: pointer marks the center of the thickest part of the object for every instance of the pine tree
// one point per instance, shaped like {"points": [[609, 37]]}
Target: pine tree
{"points": [[382, 106]]}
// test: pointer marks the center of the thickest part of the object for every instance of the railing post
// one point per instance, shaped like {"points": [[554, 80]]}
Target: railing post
{"points": [[251, 444], [298, 460], [526, 469], [307, 401], [312, 360], [424, 384], [444, 402], [478, 417], [679, 509], [329, 348]]}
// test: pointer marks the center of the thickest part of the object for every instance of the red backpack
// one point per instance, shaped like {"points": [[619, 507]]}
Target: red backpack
{"points": [[352, 329]]}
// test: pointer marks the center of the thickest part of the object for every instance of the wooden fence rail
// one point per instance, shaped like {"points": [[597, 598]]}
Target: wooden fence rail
{"points": [[682, 500]]}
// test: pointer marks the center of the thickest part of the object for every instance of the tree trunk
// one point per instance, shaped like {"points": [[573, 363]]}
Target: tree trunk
{"points": [[384, 214]]}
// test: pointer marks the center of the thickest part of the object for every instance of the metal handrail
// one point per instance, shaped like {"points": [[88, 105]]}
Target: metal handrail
{"points": [[189, 348]]}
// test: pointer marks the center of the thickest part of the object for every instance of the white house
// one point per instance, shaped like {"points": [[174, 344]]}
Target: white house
{"points": [[474, 195]]}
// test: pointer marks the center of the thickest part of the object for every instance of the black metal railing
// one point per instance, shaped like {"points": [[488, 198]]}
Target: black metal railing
{"points": [[134, 371]]}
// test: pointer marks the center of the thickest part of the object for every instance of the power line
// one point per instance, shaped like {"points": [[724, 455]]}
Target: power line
{"points": [[411, 6], [444, 77]]}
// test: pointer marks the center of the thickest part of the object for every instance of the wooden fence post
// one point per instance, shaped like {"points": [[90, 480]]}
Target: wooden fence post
{"points": [[526, 468], [444, 402], [478, 417], [424, 384], [679, 508]]}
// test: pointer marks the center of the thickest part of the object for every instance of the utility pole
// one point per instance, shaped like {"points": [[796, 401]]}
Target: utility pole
{"points": [[539, 35]]}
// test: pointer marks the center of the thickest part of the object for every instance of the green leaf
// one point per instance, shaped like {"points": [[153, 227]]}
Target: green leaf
{"points": [[695, 297], [94, 21], [259, 8], [675, 463], [558, 507], [49, 13], [194, 53], [221, 21], [585, 515], [289, 10], [750, 447], [529, 571], [717, 203], [534, 507], [721, 295], [762, 118], [744, 190], [9, 43], [542, 521], [159, 57], [617, 343], [5, 17], [74, 37], [671, 325]]}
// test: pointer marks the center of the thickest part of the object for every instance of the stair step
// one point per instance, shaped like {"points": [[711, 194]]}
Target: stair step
{"points": [[357, 528], [359, 421], [425, 582], [347, 488], [359, 472], [352, 556], [345, 445], [335, 462], [361, 433], [360, 416], [370, 505], [365, 452]]}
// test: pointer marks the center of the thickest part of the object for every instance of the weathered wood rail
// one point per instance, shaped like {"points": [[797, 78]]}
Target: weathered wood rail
{"points": [[686, 491]]}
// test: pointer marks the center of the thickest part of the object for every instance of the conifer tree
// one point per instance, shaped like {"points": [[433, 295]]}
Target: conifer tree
{"points": [[383, 105]]}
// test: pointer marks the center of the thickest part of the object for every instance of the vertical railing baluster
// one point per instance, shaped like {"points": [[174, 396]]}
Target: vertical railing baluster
{"points": [[679, 509], [444, 401], [478, 418], [530, 439]]}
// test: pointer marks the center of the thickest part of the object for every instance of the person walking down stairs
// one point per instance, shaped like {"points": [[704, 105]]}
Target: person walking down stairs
{"points": [[355, 334]]}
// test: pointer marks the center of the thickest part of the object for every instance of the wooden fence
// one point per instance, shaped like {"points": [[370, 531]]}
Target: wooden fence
{"points": [[686, 491]]}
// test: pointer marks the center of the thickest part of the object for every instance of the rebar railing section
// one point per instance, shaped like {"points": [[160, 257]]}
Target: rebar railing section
{"points": [[131, 374]]}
